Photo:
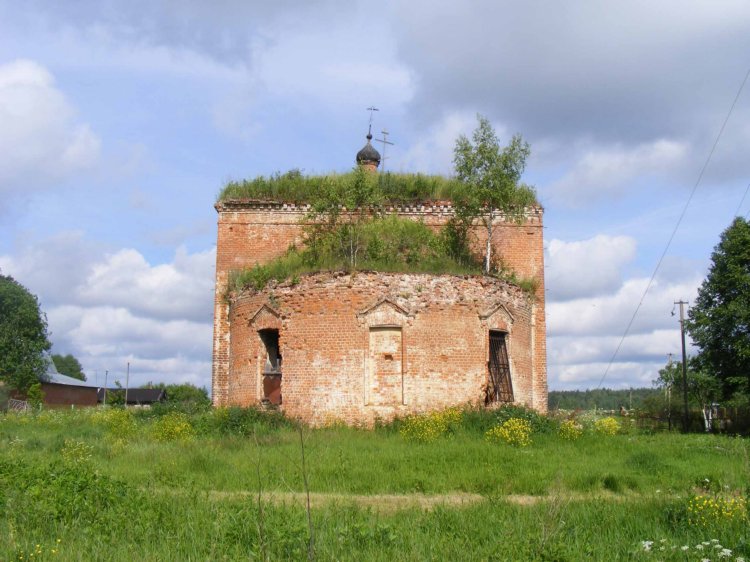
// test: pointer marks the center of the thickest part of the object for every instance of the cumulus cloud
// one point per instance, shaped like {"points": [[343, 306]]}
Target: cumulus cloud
{"points": [[617, 71], [587, 267], [576, 350], [217, 31], [40, 139], [180, 289], [328, 74], [605, 171], [115, 331], [576, 362], [108, 309], [620, 375], [433, 151], [584, 334], [53, 268], [609, 314], [258, 62]]}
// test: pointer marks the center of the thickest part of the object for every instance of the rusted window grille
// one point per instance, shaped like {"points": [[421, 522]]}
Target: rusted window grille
{"points": [[499, 388]]}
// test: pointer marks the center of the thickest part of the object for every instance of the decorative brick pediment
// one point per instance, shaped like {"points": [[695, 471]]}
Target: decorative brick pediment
{"points": [[497, 317], [384, 312], [265, 318]]}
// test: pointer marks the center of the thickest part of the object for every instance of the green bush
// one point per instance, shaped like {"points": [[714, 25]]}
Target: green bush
{"points": [[480, 419], [425, 428], [64, 492], [119, 422], [570, 430], [35, 395], [716, 511], [607, 426], [240, 421], [515, 431], [174, 426]]}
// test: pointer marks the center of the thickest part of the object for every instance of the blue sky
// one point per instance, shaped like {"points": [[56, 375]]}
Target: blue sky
{"points": [[120, 121]]}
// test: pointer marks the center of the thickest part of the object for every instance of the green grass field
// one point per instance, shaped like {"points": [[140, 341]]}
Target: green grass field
{"points": [[229, 485]]}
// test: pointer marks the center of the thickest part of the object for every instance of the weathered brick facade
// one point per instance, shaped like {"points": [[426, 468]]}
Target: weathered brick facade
{"points": [[373, 345]]}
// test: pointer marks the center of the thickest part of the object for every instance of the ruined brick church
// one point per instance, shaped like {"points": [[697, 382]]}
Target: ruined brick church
{"points": [[358, 347]]}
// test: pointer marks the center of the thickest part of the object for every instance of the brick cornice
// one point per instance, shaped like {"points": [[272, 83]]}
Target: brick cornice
{"points": [[441, 208]]}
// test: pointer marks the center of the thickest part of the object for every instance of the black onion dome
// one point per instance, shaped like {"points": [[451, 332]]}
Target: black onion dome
{"points": [[368, 153]]}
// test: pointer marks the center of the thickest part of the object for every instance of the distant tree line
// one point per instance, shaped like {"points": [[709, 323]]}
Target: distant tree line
{"points": [[600, 398]]}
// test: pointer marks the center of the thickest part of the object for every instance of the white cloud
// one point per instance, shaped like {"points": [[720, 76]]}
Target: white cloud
{"points": [[433, 152], [583, 334], [181, 289], [114, 331], [620, 375], [559, 69], [110, 309], [586, 267], [573, 350], [52, 268], [40, 139], [332, 65], [603, 172], [609, 314]]}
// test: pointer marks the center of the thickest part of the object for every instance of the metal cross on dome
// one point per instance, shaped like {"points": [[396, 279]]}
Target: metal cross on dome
{"points": [[384, 142], [371, 109]]}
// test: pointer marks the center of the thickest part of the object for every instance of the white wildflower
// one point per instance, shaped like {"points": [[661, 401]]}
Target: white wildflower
{"points": [[725, 553], [647, 545]]}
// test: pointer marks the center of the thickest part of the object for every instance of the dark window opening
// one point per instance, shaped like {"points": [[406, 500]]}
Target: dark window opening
{"points": [[499, 385], [271, 367], [270, 339]]}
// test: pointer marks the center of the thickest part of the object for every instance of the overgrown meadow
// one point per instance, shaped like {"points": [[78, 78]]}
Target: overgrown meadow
{"points": [[462, 484]]}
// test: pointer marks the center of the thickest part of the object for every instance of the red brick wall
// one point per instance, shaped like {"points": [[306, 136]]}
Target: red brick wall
{"points": [[61, 395], [325, 324], [251, 232]]}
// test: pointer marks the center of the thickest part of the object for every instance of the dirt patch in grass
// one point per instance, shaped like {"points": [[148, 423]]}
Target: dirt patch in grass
{"points": [[390, 503], [385, 503]]}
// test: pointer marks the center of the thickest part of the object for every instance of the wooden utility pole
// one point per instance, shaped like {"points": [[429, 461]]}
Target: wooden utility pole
{"points": [[669, 393], [127, 384], [686, 414]]}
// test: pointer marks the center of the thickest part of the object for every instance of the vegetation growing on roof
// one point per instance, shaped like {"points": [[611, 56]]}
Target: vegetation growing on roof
{"points": [[390, 244], [294, 187], [368, 239], [351, 228]]}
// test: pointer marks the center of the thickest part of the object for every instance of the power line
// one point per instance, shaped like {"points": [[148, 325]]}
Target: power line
{"points": [[742, 201], [676, 227]]}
